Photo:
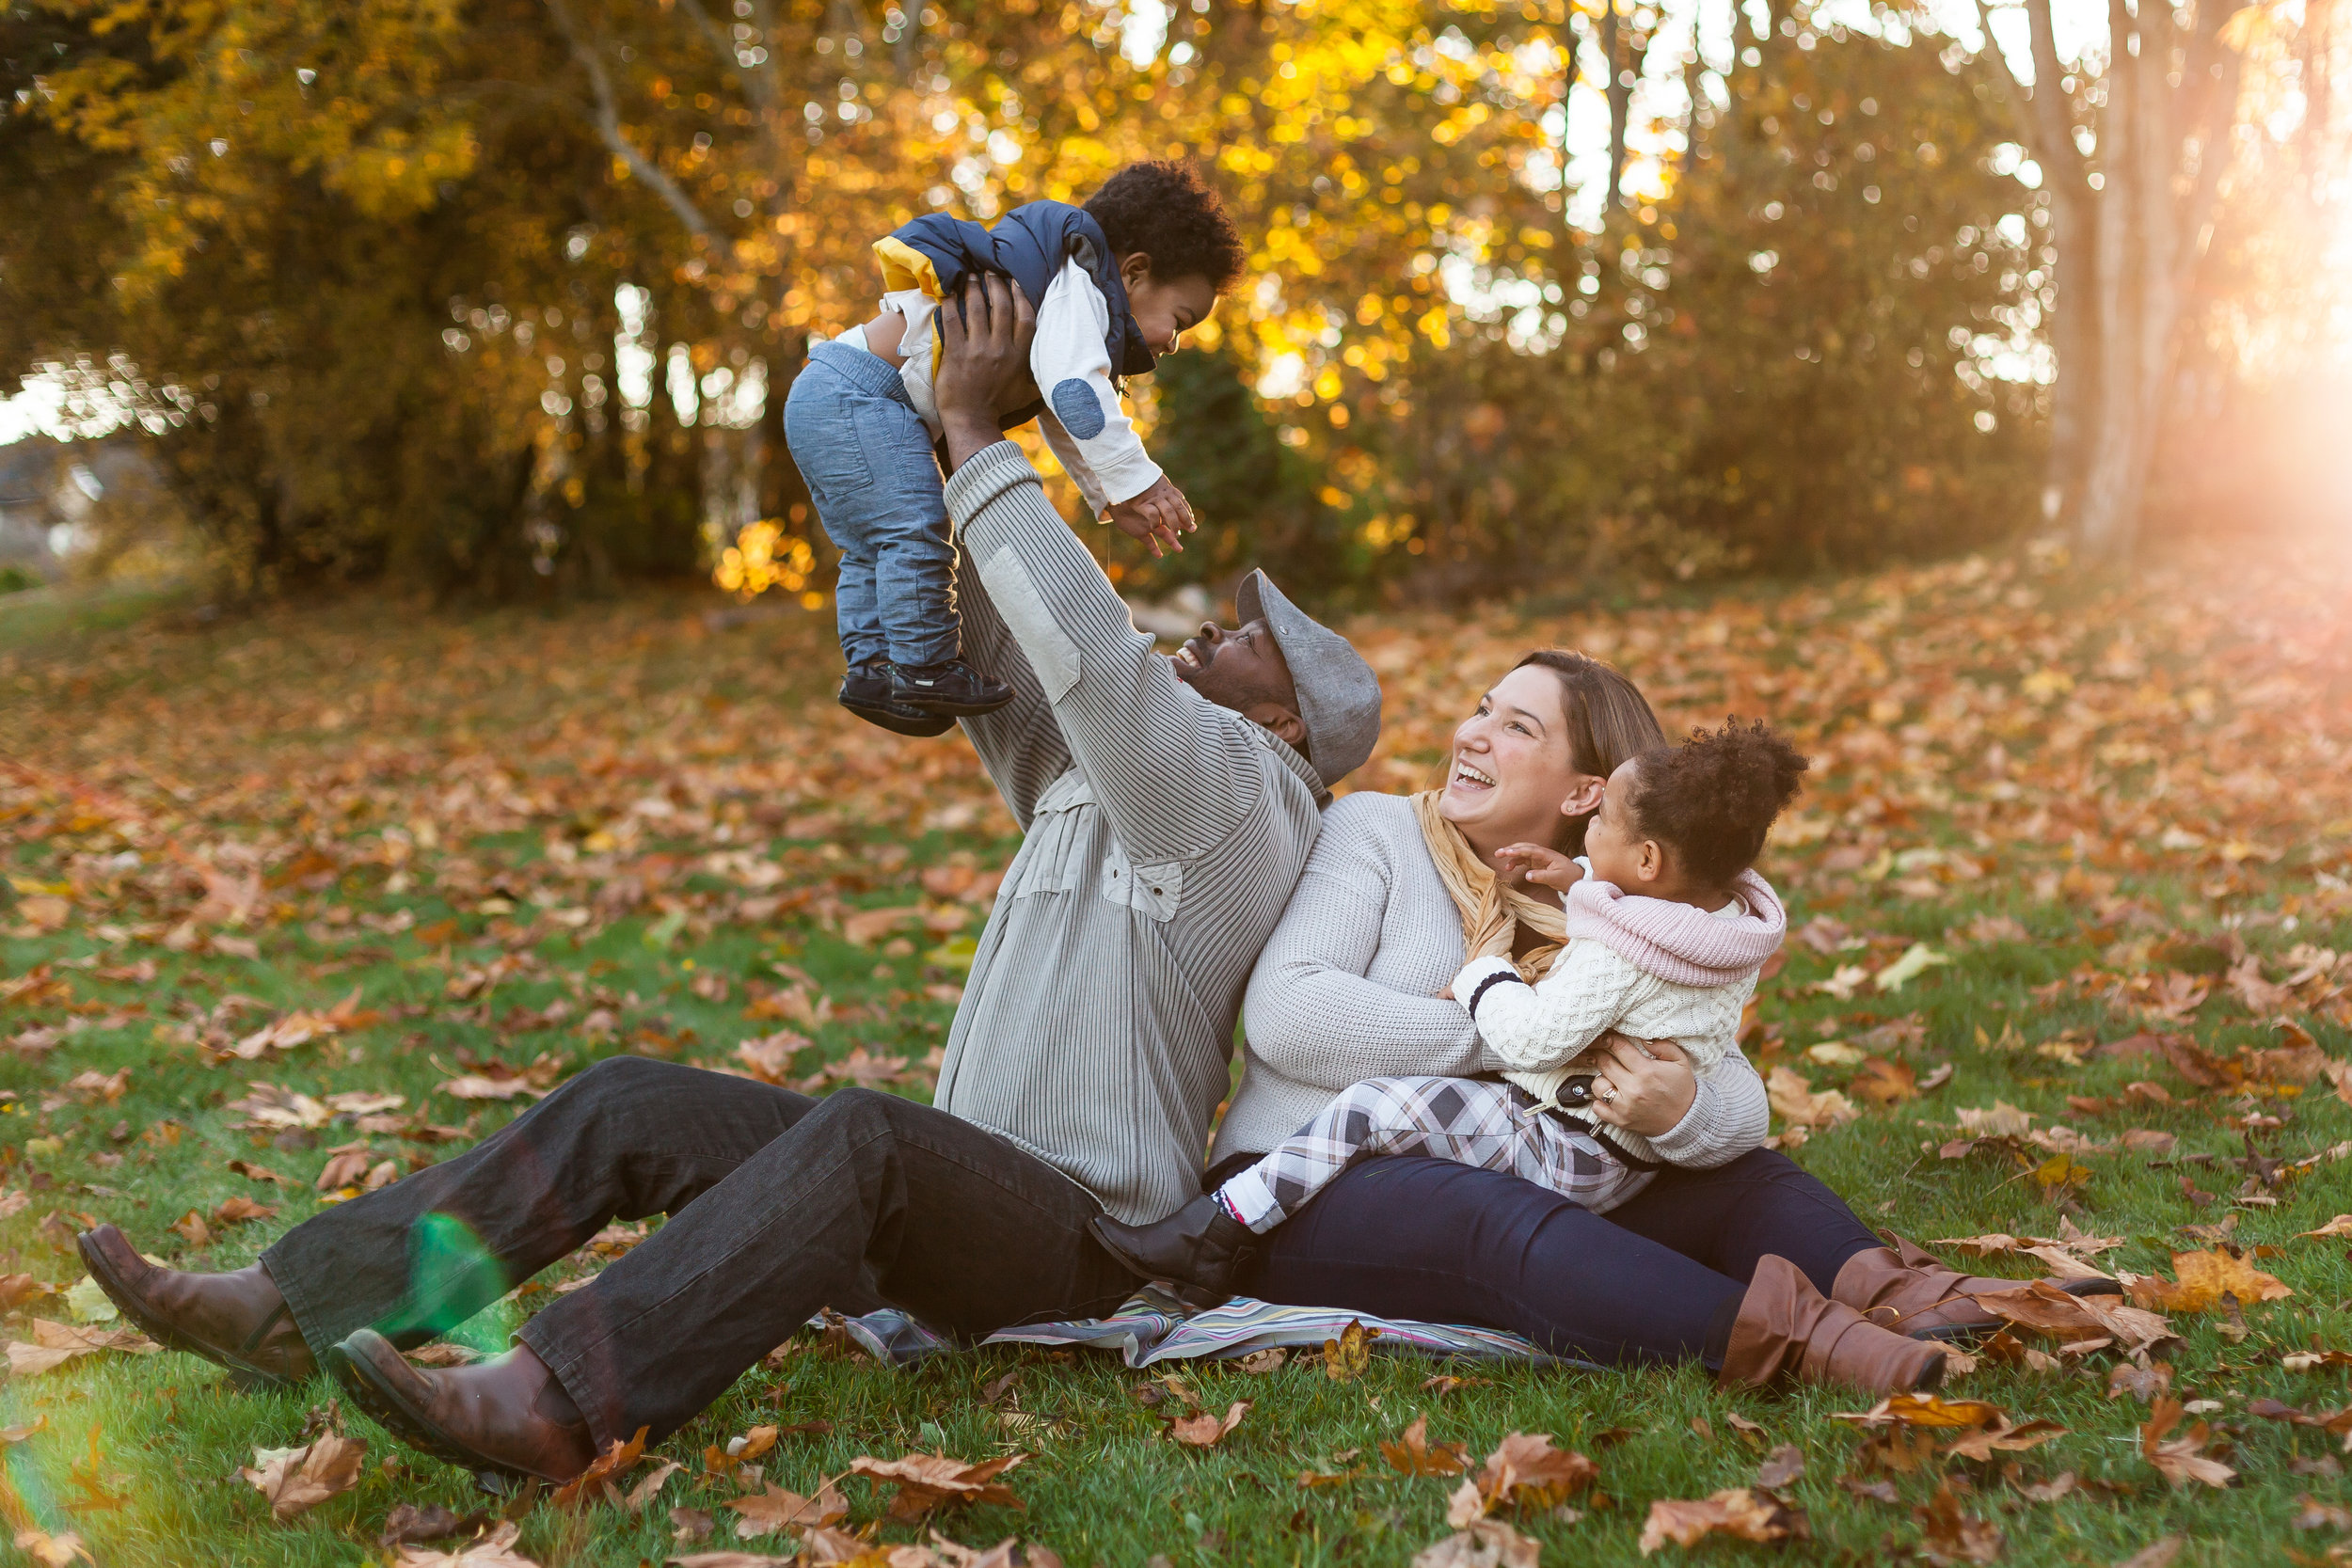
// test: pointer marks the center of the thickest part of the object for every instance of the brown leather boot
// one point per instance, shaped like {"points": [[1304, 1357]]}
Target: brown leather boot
{"points": [[504, 1419], [1786, 1328], [237, 1319], [1911, 1291]]}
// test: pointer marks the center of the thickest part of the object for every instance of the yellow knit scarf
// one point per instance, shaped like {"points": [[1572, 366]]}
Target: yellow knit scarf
{"points": [[1491, 911]]}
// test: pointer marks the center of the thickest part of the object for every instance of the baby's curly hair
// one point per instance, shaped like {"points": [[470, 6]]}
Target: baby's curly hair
{"points": [[1713, 799], [1164, 208]]}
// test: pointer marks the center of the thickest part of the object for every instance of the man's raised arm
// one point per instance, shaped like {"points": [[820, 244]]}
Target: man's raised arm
{"points": [[1175, 773]]}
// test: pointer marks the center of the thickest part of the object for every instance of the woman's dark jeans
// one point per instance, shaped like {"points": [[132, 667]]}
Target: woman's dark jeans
{"points": [[1654, 1279]]}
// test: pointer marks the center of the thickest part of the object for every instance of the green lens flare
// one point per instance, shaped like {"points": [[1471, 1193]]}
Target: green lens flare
{"points": [[451, 1277]]}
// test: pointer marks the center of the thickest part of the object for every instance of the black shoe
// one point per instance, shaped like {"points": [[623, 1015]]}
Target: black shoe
{"points": [[953, 687], [866, 691], [1199, 1245]]}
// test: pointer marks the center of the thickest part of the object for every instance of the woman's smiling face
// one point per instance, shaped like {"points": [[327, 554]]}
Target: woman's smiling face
{"points": [[1512, 774]]}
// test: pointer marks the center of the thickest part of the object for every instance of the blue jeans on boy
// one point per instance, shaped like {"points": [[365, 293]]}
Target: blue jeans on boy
{"points": [[867, 459]]}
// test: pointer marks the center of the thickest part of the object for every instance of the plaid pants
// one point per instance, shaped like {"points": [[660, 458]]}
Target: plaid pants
{"points": [[1467, 1120]]}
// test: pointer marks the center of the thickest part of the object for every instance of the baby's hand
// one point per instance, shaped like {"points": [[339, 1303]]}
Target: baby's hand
{"points": [[1533, 863], [1157, 515]]}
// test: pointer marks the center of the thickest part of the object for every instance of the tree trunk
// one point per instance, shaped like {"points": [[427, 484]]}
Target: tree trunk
{"points": [[2075, 341], [2109, 516], [1620, 105]]}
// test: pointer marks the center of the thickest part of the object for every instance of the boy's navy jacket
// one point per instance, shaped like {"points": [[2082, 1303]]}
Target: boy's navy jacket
{"points": [[1029, 245]]}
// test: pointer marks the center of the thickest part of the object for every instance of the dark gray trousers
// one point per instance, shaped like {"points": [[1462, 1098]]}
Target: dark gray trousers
{"points": [[779, 1204]]}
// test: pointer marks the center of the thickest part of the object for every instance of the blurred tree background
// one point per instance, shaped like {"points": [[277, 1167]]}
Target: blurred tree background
{"points": [[503, 296]]}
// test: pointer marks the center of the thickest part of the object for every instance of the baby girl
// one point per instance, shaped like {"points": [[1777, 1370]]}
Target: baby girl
{"points": [[1668, 925]]}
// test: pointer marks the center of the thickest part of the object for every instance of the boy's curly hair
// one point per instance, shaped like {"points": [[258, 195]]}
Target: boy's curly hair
{"points": [[1164, 208], [1713, 799]]}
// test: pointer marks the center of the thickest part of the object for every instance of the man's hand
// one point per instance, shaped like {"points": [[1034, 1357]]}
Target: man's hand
{"points": [[1157, 515], [1536, 863], [1645, 1087], [984, 333]]}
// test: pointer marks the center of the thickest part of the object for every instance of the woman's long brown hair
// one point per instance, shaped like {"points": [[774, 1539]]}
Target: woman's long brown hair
{"points": [[1609, 720]]}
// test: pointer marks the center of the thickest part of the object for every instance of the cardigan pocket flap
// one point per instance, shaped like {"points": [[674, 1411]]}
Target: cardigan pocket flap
{"points": [[1152, 890], [1052, 856]]}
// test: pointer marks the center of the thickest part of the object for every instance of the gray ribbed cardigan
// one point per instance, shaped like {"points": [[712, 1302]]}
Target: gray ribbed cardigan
{"points": [[1163, 837], [1346, 990]]}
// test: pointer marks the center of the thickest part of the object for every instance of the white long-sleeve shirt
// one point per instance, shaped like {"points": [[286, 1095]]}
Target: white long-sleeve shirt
{"points": [[1083, 423]]}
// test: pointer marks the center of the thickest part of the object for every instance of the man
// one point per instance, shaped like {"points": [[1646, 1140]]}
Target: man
{"points": [[1168, 806]]}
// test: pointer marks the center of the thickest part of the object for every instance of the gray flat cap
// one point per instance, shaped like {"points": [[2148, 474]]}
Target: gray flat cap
{"points": [[1339, 696]]}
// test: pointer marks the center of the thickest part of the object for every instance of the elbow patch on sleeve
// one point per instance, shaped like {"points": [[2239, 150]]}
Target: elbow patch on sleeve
{"points": [[1077, 407], [1051, 653]]}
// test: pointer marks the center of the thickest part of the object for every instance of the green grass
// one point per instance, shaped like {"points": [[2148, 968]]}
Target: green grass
{"points": [[340, 731]]}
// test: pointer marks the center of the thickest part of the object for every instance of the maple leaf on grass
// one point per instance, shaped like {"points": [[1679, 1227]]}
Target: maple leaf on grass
{"points": [[1740, 1511], [2180, 1460], [776, 1509], [1346, 1357], [930, 1481], [2039, 1307], [2204, 1279], [493, 1550], [1204, 1431], [1924, 1410], [298, 1479], [1412, 1455], [2004, 1439]]}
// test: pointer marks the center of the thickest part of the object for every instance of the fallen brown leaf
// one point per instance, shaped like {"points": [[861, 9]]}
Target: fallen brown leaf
{"points": [[493, 1550], [51, 1551], [1412, 1455], [930, 1481], [2204, 1279], [1739, 1512], [2180, 1460], [1949, 1536], [2003, 1439], [409, 1525], [776, 1509], [1346, 1357], [1924, 1410], [1783, 1468], [55, 1344], [298, 1479], [595, 1484], [1484, 1543], [1204, 1431]]}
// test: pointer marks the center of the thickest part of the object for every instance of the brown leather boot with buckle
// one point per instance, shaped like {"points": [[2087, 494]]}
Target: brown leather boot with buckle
{"points": [[237, 1320], [1913, 1292], [1786, 1328], [505, 1420]]}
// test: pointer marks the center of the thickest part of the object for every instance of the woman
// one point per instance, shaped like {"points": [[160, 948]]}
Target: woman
{"points": [[1753, 1266]]}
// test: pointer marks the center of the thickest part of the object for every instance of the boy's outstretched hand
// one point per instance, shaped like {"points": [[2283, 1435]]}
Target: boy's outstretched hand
{"points": [[1533, 863], [1157, 515]]}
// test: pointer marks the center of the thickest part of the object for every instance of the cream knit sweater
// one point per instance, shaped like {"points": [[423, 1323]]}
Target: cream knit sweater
{"points": [[1346, 990], [1643, 967]]}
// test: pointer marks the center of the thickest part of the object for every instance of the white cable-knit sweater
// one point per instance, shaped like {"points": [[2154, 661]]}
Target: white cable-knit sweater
{"points": [[1537, 1031], [1347, 990]]}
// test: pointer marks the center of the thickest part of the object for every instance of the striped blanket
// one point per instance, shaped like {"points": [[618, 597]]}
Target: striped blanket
{"points": [[1152, 1326]]}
